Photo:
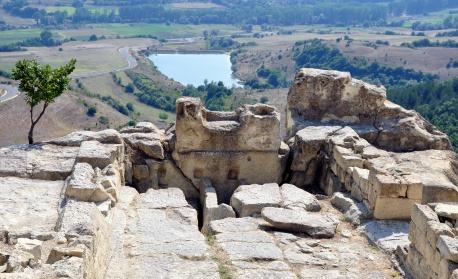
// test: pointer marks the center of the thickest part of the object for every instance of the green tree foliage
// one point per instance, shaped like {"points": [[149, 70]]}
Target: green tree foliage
{"points": [[130, 106], [436, 101], [314, 54], [428, 43], [41, 84], [91, 110], [163, 116]]}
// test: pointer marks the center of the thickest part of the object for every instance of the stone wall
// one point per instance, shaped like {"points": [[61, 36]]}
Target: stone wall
{"points": [[433, 251], [339, 144], [58, 223], [229, 148]]}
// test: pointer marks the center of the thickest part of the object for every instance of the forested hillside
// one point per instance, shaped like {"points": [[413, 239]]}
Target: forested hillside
{"points": [[315, 54], [436, 101]]}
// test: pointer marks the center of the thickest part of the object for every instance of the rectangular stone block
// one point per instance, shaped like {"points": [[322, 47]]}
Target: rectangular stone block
{"points": [[346, 158], [435, 229], [415, 191], [360, 174], [389, 187], [421, 215], [448, 247], [392, 208]]}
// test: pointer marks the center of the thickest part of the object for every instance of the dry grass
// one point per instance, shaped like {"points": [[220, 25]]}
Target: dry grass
{"points": [[62, 117], [105, 86]]}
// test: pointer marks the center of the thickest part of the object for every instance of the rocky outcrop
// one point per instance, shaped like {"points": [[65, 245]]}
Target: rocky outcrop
{"points": [[346, 134], [334, 97]]}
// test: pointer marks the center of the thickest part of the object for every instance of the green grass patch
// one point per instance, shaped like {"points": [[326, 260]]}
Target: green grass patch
{"points": [[69, 10], [7, 66], [159, 30], [14, 36]]}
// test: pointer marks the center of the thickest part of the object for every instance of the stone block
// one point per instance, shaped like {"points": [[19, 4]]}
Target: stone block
{"points": [[31, 246], [448, 247], [315, 225], [435, 229], [59, 253], [360, 174], [421, 215], [211, 210], [345, 158], [82, 186], [97, 154], [250, 199], [393, 208], [293, 197], [389, 187], [233, 225], [447, 210], [415, 191]]}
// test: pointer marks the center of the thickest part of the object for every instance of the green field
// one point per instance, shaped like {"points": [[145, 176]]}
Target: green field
{"points": [[69, 10], [14, 36], [159, 30]]}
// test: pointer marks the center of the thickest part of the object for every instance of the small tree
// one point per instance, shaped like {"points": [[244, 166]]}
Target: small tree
{"points": [[163, 116], [41, 84]]}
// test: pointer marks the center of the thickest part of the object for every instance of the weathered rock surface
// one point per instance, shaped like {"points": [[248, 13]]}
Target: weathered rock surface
{"points": [[315, 225], [211, 210], [76, 138], [295, 198], [45, 162], [387, 234], [229, 148], [332, 96], [251, 199], [23, 200]]}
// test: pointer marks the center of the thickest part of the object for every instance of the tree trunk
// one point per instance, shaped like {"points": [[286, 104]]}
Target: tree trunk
{"points": [[31, 133], [33, 123]]}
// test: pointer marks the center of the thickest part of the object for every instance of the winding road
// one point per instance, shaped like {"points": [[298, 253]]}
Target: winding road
{"points": [[12, 92]]}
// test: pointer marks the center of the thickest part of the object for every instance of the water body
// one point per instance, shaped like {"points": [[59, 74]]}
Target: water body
{"points": [[195, 68]]}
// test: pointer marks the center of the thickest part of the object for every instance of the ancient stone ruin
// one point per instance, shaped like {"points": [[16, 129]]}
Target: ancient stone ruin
{"points": [[224, 195]]}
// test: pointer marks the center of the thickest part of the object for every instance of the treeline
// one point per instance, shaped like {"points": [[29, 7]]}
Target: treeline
{"points": [[448, 23], [428, 43], [411, 7], [152, 93], [45, 39], [436, 101], [151, 11], [213, 95], [314, 54], [287, 15]]}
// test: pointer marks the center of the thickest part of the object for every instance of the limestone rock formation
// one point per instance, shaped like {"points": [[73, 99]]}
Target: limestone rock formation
{"points": [[334, 97]]}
